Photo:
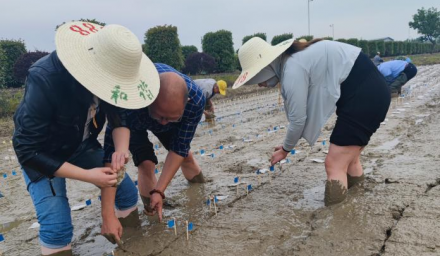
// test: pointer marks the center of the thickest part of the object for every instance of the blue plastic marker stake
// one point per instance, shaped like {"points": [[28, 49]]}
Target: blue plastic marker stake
{"points": [[323, 142], [156, 147], [14, 173], [293, 152], [89, 202], [5, 175], [135, 182], [248, 188], [190, 226], [272, 168], [202, 152], [156, 171], [233, 126], [215, 199], [236, 180], [208, 202], [2, 238], [99, 198], [221, 147], [212, 155], [172, 224]]}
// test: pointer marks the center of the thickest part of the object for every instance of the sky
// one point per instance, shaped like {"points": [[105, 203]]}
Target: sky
{"points": [[34, 21]]}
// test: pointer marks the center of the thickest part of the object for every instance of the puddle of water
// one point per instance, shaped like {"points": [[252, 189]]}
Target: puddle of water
{"points": [[313, 199], [389, 145]]}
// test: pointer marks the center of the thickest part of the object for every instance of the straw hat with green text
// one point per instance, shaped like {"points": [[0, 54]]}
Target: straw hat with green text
{"points": [[255, 55], [109, 62]]}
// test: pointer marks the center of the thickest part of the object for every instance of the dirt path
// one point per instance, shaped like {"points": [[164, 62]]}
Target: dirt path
{"points": [[393, 213]]}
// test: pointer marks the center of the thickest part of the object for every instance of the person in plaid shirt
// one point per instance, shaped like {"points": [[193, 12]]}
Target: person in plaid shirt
{"points": [[173, 118]]}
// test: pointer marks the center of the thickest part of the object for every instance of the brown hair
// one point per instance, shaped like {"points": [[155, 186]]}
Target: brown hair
{"points": [[298, 46]]}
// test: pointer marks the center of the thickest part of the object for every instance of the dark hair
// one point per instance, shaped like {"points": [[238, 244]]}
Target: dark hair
{"points": [[298, 46]]}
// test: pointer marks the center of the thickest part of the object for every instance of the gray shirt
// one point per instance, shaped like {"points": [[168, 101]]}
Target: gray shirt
{"points": [[311, 85], [207, 85]]}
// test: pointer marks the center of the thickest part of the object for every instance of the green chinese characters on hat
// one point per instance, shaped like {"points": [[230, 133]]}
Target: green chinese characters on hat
{"points": [[143, 90], [117, 93]]}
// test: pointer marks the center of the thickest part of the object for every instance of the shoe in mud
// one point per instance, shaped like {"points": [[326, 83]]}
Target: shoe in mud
{"points": [[335, 192]]}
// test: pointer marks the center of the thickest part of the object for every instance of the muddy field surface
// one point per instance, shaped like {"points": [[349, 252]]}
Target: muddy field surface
{"points": [[396, 211]]}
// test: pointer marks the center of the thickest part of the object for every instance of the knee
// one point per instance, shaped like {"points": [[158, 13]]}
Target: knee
{"points": [[147, 168], [56, 228], [126, 194]]}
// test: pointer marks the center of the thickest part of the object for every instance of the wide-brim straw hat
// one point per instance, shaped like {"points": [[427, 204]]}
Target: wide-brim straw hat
{"points": [[109, 62], [255, 55]]}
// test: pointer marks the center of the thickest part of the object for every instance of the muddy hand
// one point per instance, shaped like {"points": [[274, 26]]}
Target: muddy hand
{"points": [[112, 230]]}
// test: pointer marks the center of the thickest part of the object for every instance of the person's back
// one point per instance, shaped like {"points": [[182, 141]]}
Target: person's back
{"points": [[392, 69], [377, 59]]}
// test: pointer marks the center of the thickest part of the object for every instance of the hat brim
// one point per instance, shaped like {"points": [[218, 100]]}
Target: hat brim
{"points": [[129, 92], [222, 91], [249, 73]]}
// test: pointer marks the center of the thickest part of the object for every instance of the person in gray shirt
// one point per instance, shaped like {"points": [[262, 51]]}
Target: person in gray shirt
{"points": [[317, 78], [210, 88], [377, 59]]}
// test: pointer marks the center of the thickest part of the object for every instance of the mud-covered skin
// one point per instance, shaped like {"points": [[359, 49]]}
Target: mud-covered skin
{"points": [[287, 216], [353, 180], [335, 192], [199, 178]]}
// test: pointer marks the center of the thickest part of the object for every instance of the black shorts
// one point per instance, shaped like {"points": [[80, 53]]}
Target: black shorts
{"points": [[140, 146], [363, 105]]}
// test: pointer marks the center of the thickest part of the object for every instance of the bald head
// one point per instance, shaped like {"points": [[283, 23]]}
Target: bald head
{"points": [[172, 98]]}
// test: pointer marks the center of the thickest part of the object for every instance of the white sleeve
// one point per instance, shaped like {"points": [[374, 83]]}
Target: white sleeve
{"points": [[295, 91]]}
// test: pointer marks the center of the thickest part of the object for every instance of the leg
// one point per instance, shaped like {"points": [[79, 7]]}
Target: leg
{"points": [[146, 182], [355, 173], [53, 213], [126, 203], [191, 169], [336, 165]]}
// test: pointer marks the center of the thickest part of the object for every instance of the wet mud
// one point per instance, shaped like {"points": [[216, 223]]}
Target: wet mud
{"points": [[395, 211]]}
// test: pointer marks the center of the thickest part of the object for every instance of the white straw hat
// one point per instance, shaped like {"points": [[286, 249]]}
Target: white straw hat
{"points": [[255, 55], [109, 62]]}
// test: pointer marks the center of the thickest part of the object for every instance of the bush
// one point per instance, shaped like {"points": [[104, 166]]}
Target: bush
{"points": [[308, 38], [187, 50], [281, 38], [220, 46], [401, 46], [381, 47], [9, 101], [372, 48], [10, 51], [327, 38], [364, 45], [353, 41], [22, 65], [408, 46], [396, 49], [260, 35], [199, 63], [388, 49], [162, 45], [341, 40]]}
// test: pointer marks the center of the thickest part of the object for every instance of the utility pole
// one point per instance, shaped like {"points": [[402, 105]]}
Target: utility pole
{"points": [[308, 11]]}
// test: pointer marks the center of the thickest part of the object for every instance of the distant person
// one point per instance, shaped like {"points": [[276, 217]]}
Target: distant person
{"points": [[210, 88], [173, 118], [69, 93], [317, 78], [377, 59], [397, 73]]}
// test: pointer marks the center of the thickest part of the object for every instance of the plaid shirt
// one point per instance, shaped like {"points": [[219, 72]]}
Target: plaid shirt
{"points": [[183, 131]]}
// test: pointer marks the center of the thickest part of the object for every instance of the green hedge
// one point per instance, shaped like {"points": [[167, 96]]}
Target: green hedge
{"points": [[281, 38], [162, 45], [260, 35], [388, 49], [220, 46], [10, 51], [363, 44]]}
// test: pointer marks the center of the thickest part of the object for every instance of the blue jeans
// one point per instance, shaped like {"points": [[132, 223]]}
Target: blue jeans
{"points": [[52, 205]]}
